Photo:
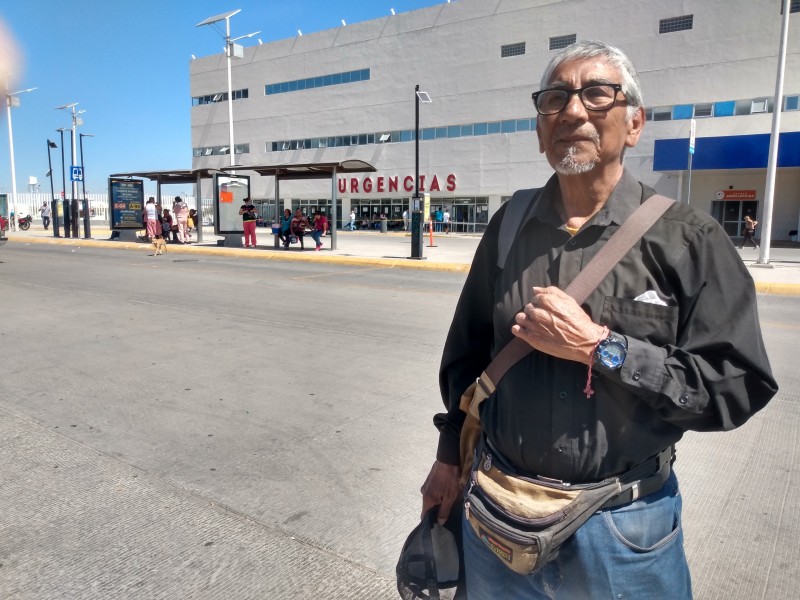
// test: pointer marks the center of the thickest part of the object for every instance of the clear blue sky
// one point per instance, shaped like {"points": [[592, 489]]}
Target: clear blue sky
{"points": [[126, 62]]}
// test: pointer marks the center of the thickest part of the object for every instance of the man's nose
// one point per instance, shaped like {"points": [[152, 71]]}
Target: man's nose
{"points": [[574, 107]]}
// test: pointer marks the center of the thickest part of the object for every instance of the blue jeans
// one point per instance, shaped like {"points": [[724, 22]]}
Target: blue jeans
{"points": [[317, 236], [629, 552]]}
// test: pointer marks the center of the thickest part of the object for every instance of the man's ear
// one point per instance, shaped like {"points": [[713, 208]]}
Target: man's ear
{"points": [[539, 136], [635, 127]]}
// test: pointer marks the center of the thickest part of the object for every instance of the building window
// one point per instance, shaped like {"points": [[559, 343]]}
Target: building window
{"points": [[562, 41], [662, 113], [675, 24], [299, 85], [219, 97], [512, 50], [792, 102], [759, 106], [703, 110], [794, 6]]}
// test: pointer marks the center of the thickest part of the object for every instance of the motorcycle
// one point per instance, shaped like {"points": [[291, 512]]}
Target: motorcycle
{"points": [[24, 223]]}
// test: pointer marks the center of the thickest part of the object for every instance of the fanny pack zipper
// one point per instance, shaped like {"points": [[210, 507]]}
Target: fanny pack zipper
{"points": [[494, 525]]}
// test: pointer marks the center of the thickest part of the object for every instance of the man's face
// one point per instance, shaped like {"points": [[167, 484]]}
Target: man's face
{"points": [[577, 140]]}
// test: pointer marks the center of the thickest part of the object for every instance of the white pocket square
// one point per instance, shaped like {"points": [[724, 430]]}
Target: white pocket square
{"points": [[651, 297]]}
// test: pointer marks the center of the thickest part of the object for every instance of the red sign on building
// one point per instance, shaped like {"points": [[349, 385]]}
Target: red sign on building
{"points": [[736, 195]]}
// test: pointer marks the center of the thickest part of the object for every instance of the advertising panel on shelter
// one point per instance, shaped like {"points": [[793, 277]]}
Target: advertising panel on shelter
{"points": [[229, 194], [126, 203]]}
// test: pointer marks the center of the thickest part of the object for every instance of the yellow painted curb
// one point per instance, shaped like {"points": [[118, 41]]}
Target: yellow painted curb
{"points": [[259, 254], [778, 289]]}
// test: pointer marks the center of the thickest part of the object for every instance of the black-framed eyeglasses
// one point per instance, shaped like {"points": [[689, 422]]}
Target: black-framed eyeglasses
{"points": [[595, 97]]}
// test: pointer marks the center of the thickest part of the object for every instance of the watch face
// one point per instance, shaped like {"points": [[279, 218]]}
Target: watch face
{"points": [[611, 353]]}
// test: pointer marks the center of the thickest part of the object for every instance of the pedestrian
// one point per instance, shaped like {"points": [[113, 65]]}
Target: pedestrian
{"points": [[180, 212], [151, 219], [299, 226], [654, 340], [446, 221], [749, 231], [45, 211], [248, 212], [438, 216], [286, 228], [319, 228], [167, 226], [192, 221], [405, 220], [352, 219]]}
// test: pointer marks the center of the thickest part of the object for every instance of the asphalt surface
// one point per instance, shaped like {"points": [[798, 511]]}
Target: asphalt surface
{"points": [[220, 423]]}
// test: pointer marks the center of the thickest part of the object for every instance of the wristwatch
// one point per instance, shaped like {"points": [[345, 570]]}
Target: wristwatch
{"points": [[611, 352]]}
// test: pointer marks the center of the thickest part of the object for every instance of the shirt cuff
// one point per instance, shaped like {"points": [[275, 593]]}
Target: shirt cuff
{"points": [[644, 366], [449, 426]]}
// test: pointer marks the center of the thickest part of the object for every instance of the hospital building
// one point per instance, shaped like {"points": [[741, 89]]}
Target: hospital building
{"points": [[349, 93]]}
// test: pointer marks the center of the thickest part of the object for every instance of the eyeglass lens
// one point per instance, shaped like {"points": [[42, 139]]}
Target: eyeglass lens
{"points": [[594, 97]]}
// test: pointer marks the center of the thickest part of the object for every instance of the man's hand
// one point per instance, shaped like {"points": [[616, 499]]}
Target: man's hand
{"points": [[555, 324], [441, 487]]}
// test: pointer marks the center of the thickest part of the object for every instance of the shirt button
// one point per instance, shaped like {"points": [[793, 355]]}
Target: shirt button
{"points": [[572, 242], [637, 375], [562, 394], [684, 399]]}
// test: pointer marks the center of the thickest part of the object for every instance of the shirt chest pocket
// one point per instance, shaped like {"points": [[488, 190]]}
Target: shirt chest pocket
{"points": [[652, 323]]}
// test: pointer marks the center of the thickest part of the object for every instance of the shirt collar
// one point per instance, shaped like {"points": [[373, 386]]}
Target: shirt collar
{"points": [[625, 198]]}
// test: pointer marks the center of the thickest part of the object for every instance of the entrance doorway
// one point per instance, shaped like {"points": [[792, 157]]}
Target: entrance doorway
{"points": [[731, 213]]}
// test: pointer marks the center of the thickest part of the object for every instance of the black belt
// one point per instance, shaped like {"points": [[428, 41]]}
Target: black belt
{"points": [[642, 480], [636, 485]]}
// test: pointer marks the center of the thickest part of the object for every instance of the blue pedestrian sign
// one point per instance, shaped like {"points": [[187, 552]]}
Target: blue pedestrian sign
{"points": [[76, 173]]}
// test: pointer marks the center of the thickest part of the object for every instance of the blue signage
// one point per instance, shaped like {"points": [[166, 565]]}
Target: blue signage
{"points": [[75, 173]]}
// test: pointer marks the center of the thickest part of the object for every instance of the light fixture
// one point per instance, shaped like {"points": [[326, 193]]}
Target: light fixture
{"points": [[391, 9], [300, 33], [343, 23], [231, 49]]}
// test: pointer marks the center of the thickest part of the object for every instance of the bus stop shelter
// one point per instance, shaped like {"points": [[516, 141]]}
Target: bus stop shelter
{"points": [[322, 170], [177, 176]]}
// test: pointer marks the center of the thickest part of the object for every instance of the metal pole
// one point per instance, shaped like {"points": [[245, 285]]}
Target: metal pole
{"points": [[13, 204], [74, 199], [416, 213], [332, 223], [689, 187], [53, 202], [772, 163], [64, 203], [228, 51], [198, 221], [87, 227]]}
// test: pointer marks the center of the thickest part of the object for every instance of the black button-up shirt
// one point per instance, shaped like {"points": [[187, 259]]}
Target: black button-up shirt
{"points": [[695, 361]]}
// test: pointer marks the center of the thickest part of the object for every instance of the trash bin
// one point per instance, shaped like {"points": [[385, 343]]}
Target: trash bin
{"points": [[276, 231], [384, 226]]}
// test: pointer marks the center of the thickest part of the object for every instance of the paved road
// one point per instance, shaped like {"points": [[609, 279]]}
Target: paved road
{"points": [[197, 426]]}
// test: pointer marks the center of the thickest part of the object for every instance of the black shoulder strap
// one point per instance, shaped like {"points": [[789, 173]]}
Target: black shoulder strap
{"points": [[518, 207]]}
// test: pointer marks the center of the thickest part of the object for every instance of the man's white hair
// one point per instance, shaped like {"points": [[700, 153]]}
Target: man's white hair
{"points": [[613, 56]]}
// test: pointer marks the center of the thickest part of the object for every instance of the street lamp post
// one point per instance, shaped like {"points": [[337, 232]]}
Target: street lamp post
{"points": [[416, 211], [231, 49], [74, 205], [53, 202], [64, 201], [87, 226], [11, 99]]}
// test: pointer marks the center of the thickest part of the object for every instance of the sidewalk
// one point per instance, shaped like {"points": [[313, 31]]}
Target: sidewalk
{"points": [[392, 250]]}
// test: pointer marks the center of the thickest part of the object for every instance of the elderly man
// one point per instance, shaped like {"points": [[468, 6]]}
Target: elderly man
{"points": [[670, 340]]}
